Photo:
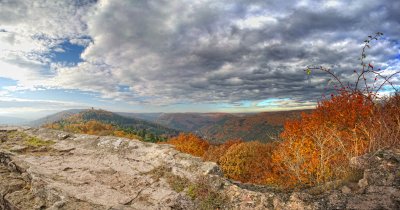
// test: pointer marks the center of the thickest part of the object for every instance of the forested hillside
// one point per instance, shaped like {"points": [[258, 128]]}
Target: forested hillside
{"points": [[214, 127], [264, 127], [101, 122]]}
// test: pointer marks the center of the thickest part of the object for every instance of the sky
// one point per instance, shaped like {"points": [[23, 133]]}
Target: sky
{"points": [[185, 55]]}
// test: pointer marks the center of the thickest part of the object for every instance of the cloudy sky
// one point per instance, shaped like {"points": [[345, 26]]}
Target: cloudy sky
{"points": [[184, 55]]}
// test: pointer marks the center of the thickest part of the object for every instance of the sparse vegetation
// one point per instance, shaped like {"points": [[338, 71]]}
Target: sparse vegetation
{"points": [[176, 182], [28, 140], [201, 191], [36, 142], [204, 194]]}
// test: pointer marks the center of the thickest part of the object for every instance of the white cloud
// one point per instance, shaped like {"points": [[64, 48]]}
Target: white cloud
{"points": [[34, 108], [256, 22], [52, 102], [180, 51], [29, 74]]}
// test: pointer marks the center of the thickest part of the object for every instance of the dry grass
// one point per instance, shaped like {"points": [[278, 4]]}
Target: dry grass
{"points": [[205, 195], [177, 183]]}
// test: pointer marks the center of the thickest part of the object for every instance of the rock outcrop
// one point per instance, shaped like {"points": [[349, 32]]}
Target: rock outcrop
{"points": [[48, 169]]}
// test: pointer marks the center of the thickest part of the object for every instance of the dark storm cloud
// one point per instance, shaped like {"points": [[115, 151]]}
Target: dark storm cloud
{"points": [[179, 51]]}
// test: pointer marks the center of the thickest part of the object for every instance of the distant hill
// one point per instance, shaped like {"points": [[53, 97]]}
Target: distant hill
{"points": [[265, 126], [151, 117], [138, 127], [54, 117], [130, 122], [191, 121], [219, 127], [215, 127]]}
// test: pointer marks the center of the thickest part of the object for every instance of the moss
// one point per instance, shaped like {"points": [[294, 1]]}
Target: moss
{"points": [[19, 136], [191, 192], [16, 135], [36, 142]]}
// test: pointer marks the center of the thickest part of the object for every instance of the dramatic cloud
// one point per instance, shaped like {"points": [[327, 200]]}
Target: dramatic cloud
{"points": [[30, 31], [195, 51]]}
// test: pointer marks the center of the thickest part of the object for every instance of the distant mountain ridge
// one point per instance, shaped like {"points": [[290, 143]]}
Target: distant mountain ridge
{"points": [[219, 127], [151, 117], [139, 124], [214, 127], [264, 126]]}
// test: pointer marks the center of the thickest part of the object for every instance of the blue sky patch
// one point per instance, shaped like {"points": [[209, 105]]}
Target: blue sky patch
{"points": [[4, 82], [272, 102], [123, 88], [71, 53]]}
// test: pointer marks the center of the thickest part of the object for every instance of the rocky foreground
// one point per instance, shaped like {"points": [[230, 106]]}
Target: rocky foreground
{"points": [[47, 169]]}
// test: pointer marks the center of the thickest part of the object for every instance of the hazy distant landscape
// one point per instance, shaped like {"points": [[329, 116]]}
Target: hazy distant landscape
{"points": [[214, 127], [199, 104], [7, 120]]}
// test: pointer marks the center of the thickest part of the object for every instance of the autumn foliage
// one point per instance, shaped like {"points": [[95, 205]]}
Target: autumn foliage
{"points": [[189, 143], [92, 127], [247, 162], [317, 148], [215, 152], [314, 149], [311, 150]]}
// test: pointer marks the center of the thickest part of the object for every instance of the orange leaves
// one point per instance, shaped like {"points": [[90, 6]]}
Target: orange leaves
{"points": [[215, 152], [189, 143], [92, 127], [247, 162], [314, 149], [52, 126], [243, 161], [119, 133], [317, 148]]}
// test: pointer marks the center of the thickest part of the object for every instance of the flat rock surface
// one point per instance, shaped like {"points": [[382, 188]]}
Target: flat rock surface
{"points": [[48, 169]]}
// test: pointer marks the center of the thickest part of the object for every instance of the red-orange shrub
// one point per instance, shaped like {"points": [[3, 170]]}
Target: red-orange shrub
{"points": [[317, 148], [247, 162], [189, 143]]}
